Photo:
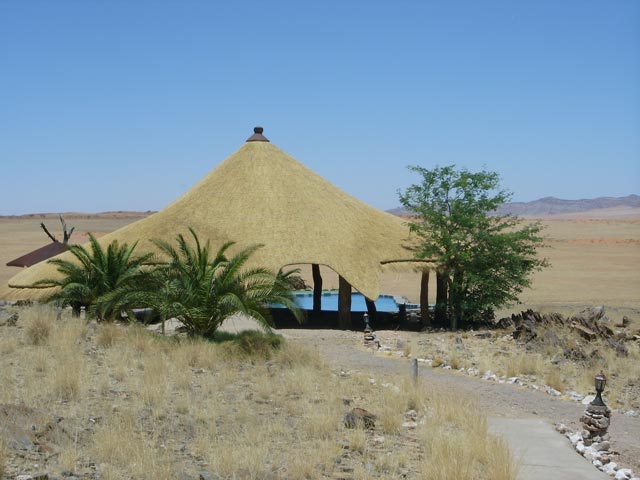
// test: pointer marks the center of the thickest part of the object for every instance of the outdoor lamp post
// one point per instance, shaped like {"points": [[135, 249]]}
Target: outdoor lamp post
{"points": [[600, 381], [367, 326]]}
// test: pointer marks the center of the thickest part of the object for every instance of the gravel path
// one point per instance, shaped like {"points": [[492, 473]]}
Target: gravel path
{"points": [[344, 350]]}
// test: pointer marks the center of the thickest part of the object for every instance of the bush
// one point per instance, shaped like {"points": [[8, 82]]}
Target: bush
{"points": [[250, 343]]}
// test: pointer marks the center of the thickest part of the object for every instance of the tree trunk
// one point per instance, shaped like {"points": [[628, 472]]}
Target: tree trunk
{"points": [[317, 287], [344, 304], [441, 298], [456, 298], [371, 309], [425, 316]]}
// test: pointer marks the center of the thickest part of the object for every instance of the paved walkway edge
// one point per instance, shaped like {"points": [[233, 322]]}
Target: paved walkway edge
{"points": [[542, 452]]}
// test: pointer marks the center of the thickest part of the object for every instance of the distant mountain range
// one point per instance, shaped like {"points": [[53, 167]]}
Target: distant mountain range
{"points": [[551, 206]]}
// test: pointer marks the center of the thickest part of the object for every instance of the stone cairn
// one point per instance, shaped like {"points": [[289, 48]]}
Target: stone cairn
{"points": [[595, 420]]}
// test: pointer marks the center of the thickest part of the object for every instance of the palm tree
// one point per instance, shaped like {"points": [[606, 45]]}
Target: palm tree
{"points": [[94, 274], [202, 290]]}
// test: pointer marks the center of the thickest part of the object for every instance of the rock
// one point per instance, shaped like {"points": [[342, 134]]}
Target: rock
{"points": [[411, 415], [584, 332], [359, 417], [602, 446], [623, 474], [410, 425], [588, 399], [590, 314], [575, 396], [505, 322], [553, 391], [591, 454], [610, 468], [378, 439], [562, 428], [580, 448], [489, 375], [525, 332], [575, 438], [482, 334]]}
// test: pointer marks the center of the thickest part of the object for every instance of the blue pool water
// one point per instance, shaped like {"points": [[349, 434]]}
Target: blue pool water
{"points": [[384, 303]]}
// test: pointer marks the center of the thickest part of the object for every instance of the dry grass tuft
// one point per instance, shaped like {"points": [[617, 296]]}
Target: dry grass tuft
{"points": [[108, 335], [66, 377], [39, 321]]}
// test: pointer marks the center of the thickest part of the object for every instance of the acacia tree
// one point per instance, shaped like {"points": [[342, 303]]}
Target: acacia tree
{"points": [[485, 258]]}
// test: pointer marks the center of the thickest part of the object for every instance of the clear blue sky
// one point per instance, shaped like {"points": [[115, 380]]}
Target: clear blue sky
{"points": [[124, 105]]}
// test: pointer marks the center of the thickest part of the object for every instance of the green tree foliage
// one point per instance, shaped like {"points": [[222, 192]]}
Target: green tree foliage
{"points": [[486, 258], [94, 273], [203, 290]]}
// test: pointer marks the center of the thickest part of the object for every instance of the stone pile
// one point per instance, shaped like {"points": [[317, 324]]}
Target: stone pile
{"points": [[590, 324], [371, 340], [596, 420], [596, 448]]}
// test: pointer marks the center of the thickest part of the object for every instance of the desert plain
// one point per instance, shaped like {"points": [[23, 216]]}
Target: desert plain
{"points": [[594, 257]]}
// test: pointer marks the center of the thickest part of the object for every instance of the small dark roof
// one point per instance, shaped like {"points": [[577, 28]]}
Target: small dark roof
{"points": [[38, 255], [257, 135]]}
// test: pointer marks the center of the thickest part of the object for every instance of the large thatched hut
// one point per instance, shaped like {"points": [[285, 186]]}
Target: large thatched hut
{"points": [[261, 195]]}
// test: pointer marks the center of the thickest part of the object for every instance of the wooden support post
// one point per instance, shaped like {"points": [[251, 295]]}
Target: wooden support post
{"points": [[344, 304], [371, 309], [414, 370], [425, 316], [441, 298], [317, 287]]}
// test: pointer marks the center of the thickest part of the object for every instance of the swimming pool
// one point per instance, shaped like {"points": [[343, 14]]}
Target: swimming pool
{"points": [[304, 299]]}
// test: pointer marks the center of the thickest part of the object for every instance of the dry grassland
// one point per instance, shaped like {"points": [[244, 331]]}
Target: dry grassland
{"points": [[112, 402]]}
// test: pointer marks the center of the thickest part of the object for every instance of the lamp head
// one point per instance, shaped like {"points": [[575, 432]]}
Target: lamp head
{"points": [[600, 381]]}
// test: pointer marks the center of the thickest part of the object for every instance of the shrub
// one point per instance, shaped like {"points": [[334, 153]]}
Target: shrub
{"points": [[250, 343]]}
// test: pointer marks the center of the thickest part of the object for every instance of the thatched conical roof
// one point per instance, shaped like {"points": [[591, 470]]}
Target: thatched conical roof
{"points": [[261, 195]]}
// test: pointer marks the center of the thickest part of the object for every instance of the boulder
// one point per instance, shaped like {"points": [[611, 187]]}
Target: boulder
{"points": [[359, 418]]}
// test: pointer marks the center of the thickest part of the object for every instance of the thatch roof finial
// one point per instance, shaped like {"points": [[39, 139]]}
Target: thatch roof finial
{"points": [[257, 135]]}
